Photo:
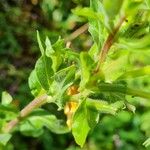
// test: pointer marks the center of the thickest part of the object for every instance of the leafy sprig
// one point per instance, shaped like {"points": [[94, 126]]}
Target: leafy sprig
{"points": [[89, 83]]}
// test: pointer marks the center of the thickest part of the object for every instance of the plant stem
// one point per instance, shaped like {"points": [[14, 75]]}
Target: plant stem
{"points": [[108, 43], [138, 93], [122, 89], [77, 32], [37, 102]]}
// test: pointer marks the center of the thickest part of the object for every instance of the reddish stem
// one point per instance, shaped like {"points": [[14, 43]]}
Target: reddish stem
{"points": [[108, 43]]}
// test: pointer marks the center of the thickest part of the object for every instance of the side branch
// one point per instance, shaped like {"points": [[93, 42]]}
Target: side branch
{"points": [[108, 43], [121, 89], [77, 32], [37, 102]]}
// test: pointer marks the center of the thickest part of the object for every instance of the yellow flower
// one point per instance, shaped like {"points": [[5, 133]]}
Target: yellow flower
{"points": [[69, 110]]}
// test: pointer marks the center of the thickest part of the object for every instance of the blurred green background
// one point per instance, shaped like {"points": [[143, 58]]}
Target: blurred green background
{"points": [[19, 20]]}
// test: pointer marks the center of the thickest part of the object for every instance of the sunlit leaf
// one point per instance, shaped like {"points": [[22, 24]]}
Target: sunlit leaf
{"points": [[49, 48], [55, 52], [136, 73], [4, 138], [34, 84], [62, 80], [101, 106], [40, 43], [147, 142], [85, 68], [112, 8], [80, 126], [6, 98], [44, 71]]}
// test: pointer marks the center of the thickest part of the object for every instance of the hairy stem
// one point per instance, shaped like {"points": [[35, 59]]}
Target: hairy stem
{"points": [[37, 102], [138, 93], [108, 43], [122, 89]]}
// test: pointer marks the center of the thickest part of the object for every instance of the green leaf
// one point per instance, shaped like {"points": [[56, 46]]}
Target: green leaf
{"points": [[40, 43], [44, 71], [6, 98], [96, 30], [4, 138], [34, 124], [80, 126], [92, 116], [27, 129], [86, 12], [59, 45], [118, 105], [51, 122], [110, 92], [72, 56], [135, 73], [112, 8], [147, 142], [135, 44], [96, 26], [145, 123], [65, 76], [113, 68], [34, 84], [7, 108], [132, 6], [95, 16], [93, 52], [147, 3], [101, 106], [8, 113], [57, 60], [62, 80], [137, 26], [49, 48], [130, 107], [86, 68], [55, 52]]}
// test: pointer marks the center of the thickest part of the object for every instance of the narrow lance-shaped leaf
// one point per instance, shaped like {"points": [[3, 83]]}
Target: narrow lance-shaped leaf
{"points": [[101, 106], [85, 12], [36, 123], [40, 43], [80, 126], [86, 64], [135, 73], [112, 7], [44, 71], [96, 26], [135, 44], [92, 116], [147, 142], [132, 6], [49, 48], [55, 52], [96, 20], [148, 3]]}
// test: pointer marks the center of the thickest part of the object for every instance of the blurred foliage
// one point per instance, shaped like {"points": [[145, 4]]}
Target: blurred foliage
{"points": [[18, 47], [19, 20]]}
